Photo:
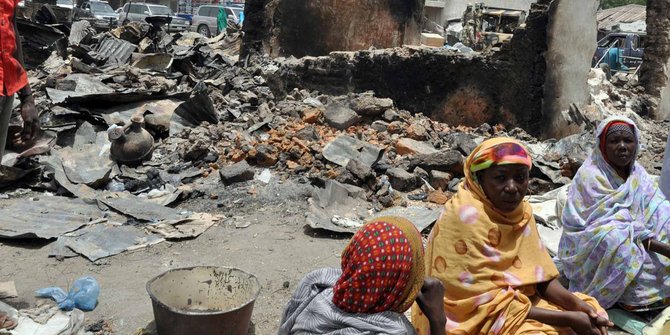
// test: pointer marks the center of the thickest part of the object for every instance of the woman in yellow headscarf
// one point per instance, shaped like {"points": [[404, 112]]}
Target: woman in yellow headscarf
{"points": [[485, 248]]}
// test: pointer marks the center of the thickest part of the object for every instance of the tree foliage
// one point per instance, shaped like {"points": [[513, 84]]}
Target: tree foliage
{"points": [[604, 4]]}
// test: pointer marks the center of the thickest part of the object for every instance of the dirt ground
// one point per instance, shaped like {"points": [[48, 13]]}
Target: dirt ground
{"points": [[277, 247]]}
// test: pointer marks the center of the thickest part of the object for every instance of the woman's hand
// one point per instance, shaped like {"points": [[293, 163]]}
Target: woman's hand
{"points": [[431, 302], [583, 324], [580, 306], [603, 323]]}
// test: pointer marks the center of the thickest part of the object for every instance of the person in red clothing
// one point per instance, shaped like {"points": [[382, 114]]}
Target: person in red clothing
{"points": [[14, 80]]}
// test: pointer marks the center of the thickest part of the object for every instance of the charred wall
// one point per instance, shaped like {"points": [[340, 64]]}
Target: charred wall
{"points": [[656, 62], [317, 27], [505, 87]]}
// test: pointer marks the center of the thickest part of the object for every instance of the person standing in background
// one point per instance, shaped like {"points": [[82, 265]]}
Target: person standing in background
{"points": [[13, 79]]}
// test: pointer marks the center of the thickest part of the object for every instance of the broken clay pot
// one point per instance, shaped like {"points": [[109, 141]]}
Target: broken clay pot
{"points": [[132, 143]]}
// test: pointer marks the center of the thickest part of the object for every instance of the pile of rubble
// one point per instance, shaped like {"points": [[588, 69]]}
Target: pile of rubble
{"points": [[213, 116]]}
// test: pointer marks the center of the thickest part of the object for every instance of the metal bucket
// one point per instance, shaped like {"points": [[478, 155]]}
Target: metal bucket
{"points": [[207, 300]]}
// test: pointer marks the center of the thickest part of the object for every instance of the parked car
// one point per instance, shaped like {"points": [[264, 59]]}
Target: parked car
{"points": [[138, 11], [103, 16], [204, 19], [65, 3], [624, 52]]}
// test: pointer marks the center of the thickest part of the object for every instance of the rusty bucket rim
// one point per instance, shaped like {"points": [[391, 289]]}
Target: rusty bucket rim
{"points": [[203, 313]]}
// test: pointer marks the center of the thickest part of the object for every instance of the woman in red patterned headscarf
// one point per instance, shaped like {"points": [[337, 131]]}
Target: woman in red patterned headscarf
{"points": [[382, 275]]}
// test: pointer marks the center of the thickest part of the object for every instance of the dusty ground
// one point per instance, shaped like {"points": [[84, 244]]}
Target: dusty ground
{"points": [[276, 247]]}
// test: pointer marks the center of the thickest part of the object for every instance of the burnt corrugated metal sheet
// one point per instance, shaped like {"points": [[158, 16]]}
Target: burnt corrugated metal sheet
{"points": [[624, 14], [46, 217], [114, 50]]}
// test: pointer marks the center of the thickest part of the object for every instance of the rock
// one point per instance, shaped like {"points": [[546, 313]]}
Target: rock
{"points": [[195, 151], [359, 170], [340, 117], [453, 184], [446, 161], [311, 115], [248, 96], [367, 105], [438, 197], [211, 157], [264, 155], [314, 102], [308, 133], [463, 142], [417, 132], [292, 165], [379, 126], [484, 129], [421, 173], [396, 127], [440, 180], [346, 177], [236, 173], [390, 115], [408, 146], [402, 180]]}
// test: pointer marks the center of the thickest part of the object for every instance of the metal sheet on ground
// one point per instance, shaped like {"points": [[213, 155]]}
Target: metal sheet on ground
{"points": [[345, 148], [195, 225], [142, 209], [101, 240], [48, 217], [421, 217]]}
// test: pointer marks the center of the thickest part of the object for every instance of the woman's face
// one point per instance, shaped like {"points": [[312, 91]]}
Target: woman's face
{"points": [[505, 185], [620, 149]]}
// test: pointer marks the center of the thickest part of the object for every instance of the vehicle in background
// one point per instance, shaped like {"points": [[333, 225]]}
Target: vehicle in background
{"points": [[99, 13], [500, 24], [187, 17], [204, 19], [65, 4], [138, 12], [619, 51], [486, 27]]}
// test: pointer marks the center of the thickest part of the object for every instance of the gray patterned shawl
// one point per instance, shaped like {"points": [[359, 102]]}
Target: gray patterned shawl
{"points": [[312, 311]]}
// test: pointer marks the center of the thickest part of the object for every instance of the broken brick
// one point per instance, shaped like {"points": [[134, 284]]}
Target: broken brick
{"points": [[311, 115]]}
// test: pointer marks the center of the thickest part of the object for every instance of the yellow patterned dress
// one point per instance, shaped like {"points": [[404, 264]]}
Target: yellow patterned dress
{"points": [[490, 263]]}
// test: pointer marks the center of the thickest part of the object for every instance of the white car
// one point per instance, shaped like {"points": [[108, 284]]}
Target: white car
{"points": [[138, 11], [69, 4]]}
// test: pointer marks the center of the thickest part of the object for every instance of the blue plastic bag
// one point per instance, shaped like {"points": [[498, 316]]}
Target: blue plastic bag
{"points": [[83, 295]]}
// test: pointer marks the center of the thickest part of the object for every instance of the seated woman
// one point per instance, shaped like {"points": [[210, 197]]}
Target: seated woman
{"points": [[615, 225], [382, 275], [497, 275]]}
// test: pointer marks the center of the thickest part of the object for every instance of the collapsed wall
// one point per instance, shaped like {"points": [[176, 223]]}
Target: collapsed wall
{"points": [[655, 66], [456, 88], [317, 27]]}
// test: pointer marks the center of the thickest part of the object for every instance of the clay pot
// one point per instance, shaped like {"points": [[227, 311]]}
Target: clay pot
{"points": [[132, 143]]}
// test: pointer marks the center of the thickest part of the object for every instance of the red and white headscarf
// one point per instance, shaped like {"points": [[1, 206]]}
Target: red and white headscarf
{"points": [[382, 268]]}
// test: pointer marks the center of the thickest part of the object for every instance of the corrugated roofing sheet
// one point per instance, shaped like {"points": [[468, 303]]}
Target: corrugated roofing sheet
{"points": [[115, 50], [46, 217], [624, 14]]}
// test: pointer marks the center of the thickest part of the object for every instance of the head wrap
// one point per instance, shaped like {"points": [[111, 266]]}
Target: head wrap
{"points": [[382, 268], [510, 152]]}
